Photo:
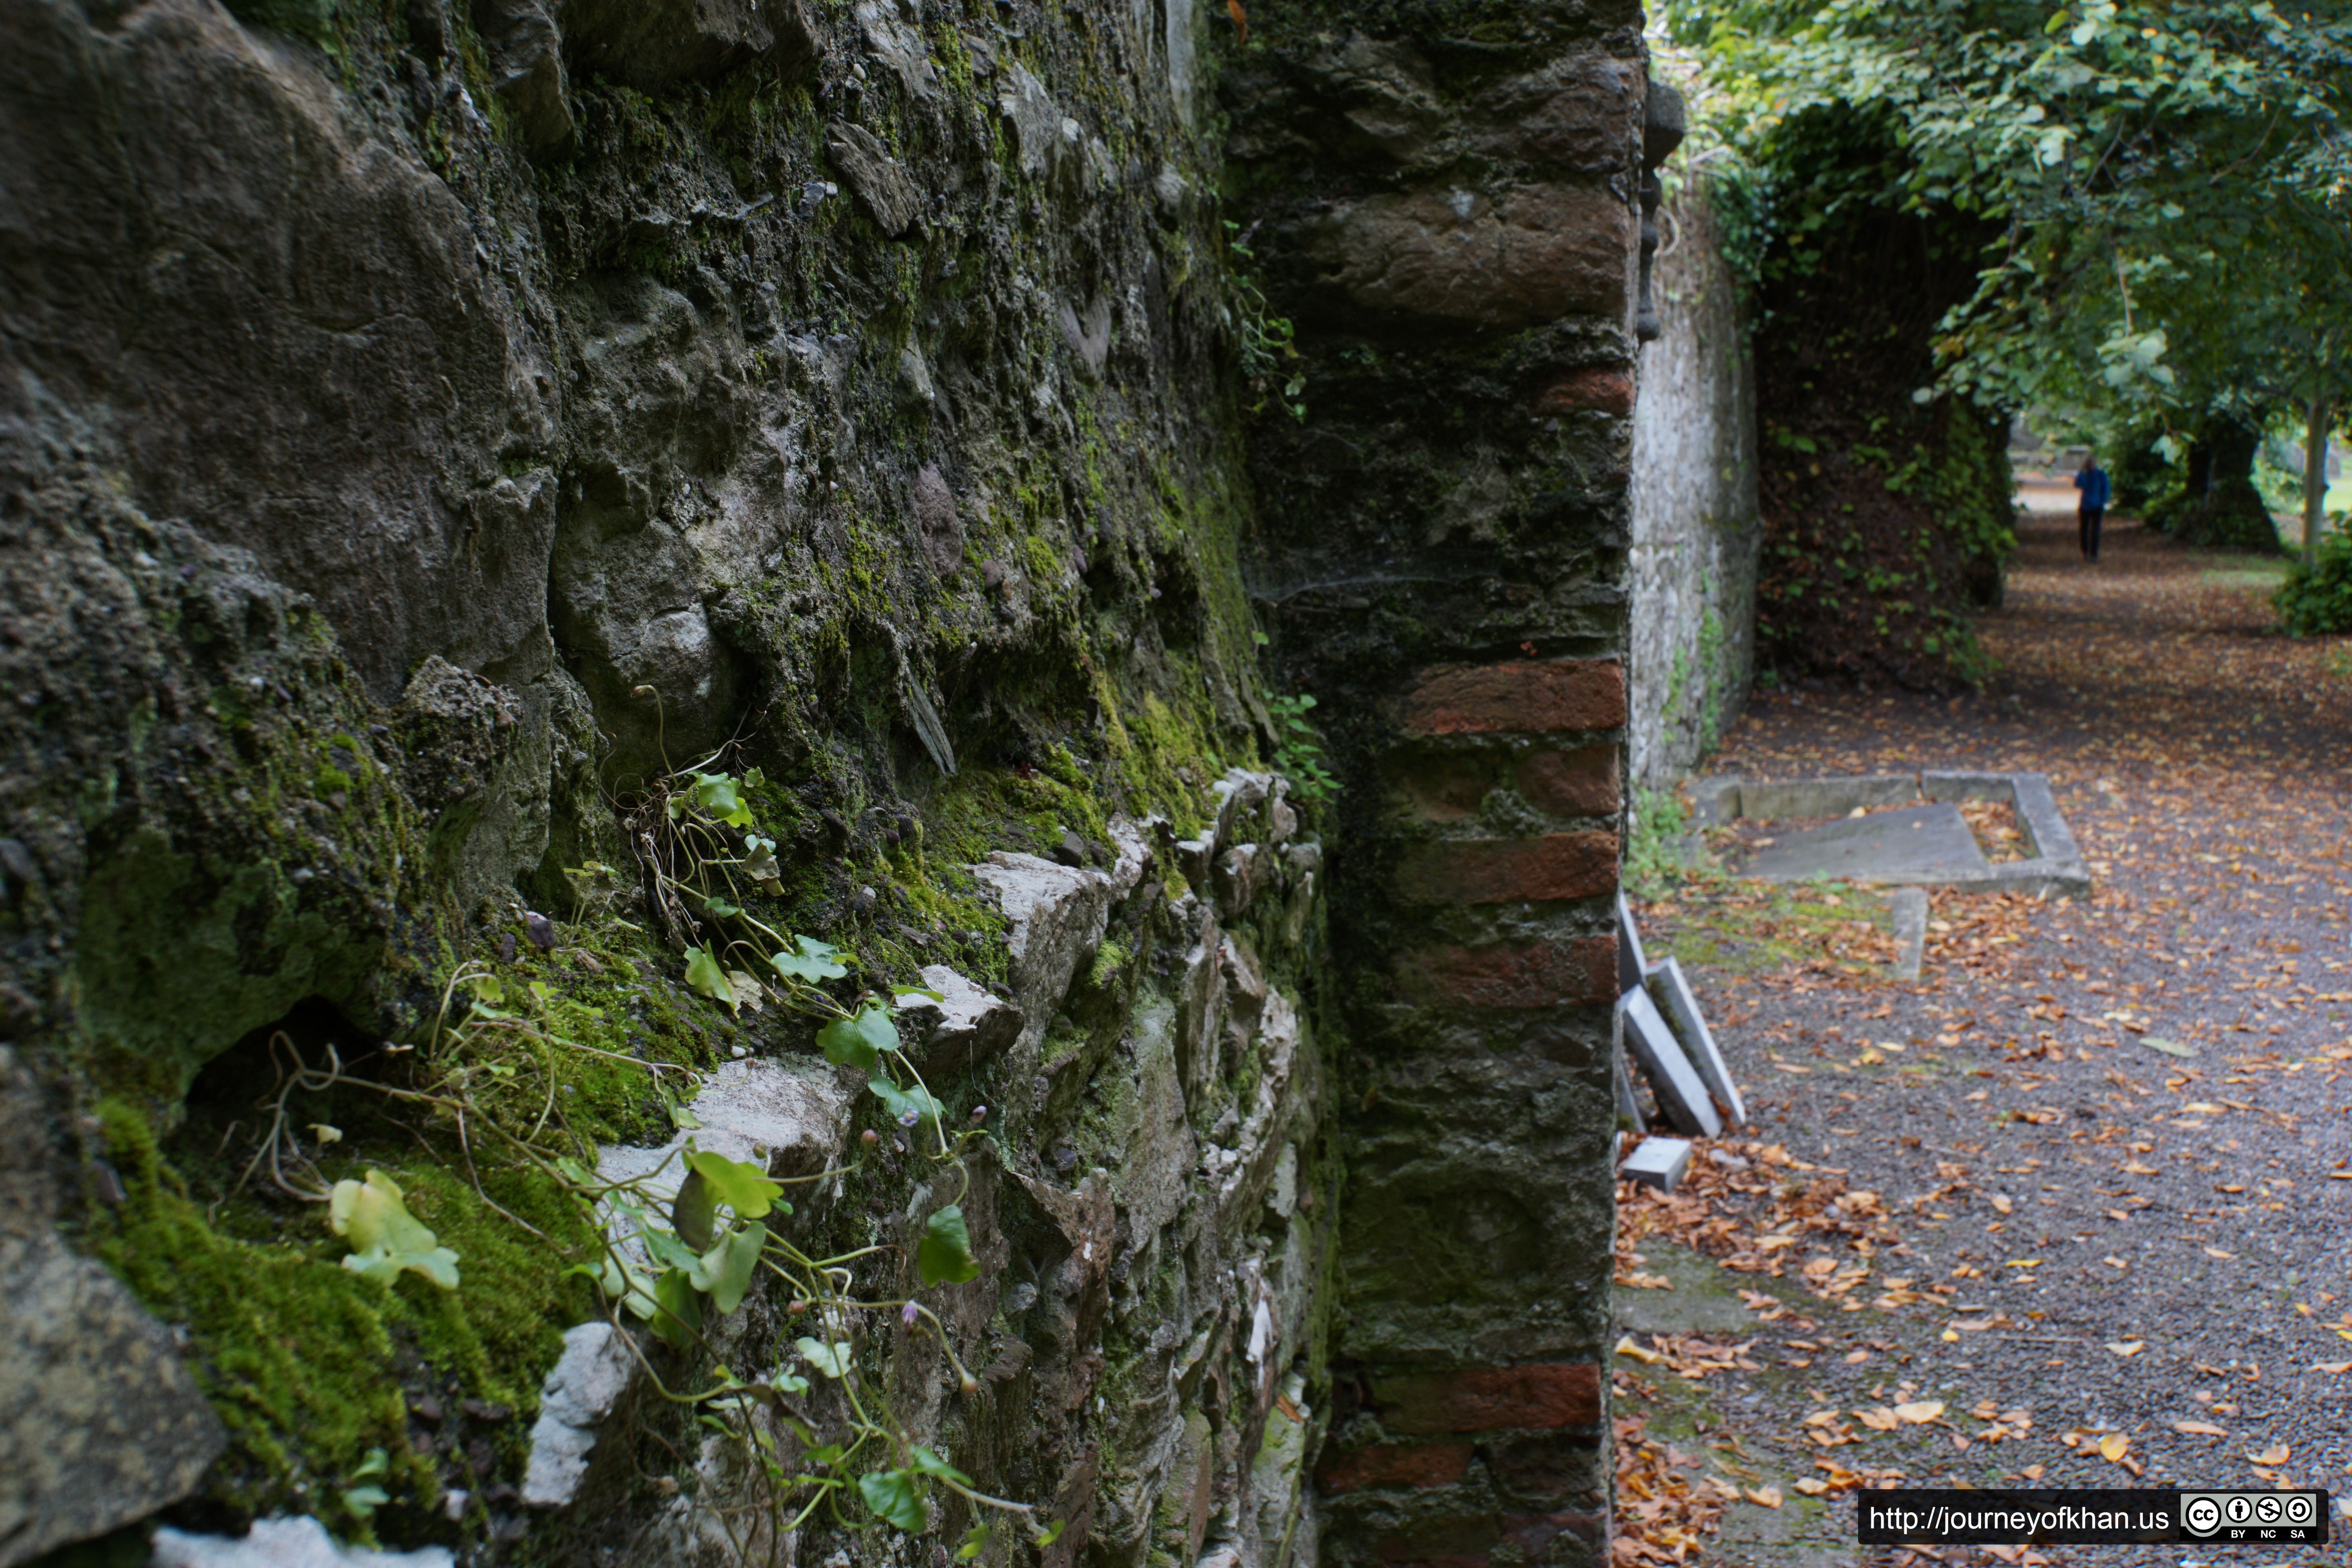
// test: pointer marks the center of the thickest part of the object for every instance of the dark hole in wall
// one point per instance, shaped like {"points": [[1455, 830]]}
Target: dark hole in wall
{"points": [[230, 1106]]}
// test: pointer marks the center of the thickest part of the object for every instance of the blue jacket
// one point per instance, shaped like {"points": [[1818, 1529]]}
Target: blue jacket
{"points": [[2092, 481]]}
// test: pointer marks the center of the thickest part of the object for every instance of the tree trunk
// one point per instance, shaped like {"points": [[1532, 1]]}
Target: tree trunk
{"points": [[2319, 415]]}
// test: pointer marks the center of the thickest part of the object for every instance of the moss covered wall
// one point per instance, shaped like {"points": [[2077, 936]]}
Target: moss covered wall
{"points": [[429, 432]]}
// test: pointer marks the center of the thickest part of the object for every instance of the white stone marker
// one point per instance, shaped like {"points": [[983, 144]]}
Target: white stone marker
{"points": [[1659, 1162], [1680, 1004], [1681, 1095]]}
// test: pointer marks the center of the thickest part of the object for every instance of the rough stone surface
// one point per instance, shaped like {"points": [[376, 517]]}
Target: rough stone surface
{"points": [[1057, 914], [298, 1542], [1697, 534], [964, 1028], [589, 1379], [105, 1424]]}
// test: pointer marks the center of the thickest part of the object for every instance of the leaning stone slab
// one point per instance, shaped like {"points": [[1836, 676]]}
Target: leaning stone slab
{"points": [[589, 1379], [1681, 1096], [1928, 843], [1779, 800], [1632, 964], [1671, 989], [298, 1543], [1658, 1162]]}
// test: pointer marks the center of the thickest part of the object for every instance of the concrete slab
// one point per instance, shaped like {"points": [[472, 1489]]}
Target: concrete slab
{"points": [[1681, 1096], [1909, 907], [1671, 989], [1773, 800], [1659, 1162], [1927, 843]]}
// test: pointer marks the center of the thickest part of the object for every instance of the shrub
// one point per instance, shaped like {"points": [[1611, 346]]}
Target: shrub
{"points": [[2317, 599]]}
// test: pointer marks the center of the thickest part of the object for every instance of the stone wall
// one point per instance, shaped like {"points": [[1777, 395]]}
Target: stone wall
{"points": [[1696, 532], [548, 548], [1444, 202]]}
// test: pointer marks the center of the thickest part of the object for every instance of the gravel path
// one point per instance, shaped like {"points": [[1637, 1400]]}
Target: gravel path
{"points": [[2096, 1164]]}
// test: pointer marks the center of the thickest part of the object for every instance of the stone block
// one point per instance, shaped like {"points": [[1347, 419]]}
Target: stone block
{"points": [[1545, 868], [883, 188], [1449, 256], [1550, 973], [1546, 1467], [966, 1027], [1967, 786], [1417, 1464], [1602, 391], [1659, 1163], [588, 1380], [1058, 914], [1583, 782], [790, 1118], [1777, 800], [1715, 800], [1538, 1395], [1681, 1096], [1671, 989], [1909, 908], [298, 1542], [1521, 697]]}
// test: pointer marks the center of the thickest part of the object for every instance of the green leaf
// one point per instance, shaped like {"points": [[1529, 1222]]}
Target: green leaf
{"points": [[828, 1454], [857, 1042], [385, 1237], [740, 1184], [907, 1106], [1050, 1535], [760, 860], [719, 796], [670, 1251], [892, 1495], [975, 1540], [366, 1500], [707, 975], [694, 1214], [921, 1458], [679, 1317], [730, 1266], [827, 1361], [945, 1252], [377, 1463], [810, 960], [721, 907]]}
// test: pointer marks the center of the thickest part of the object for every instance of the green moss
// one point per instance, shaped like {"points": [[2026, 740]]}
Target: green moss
{"points": [[306, 1360]]}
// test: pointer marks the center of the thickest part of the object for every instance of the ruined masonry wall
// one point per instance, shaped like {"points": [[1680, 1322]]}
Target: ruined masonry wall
{"points": [[1696, 532]]}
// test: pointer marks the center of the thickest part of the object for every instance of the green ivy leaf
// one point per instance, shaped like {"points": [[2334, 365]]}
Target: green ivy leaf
{"points": [[975, 1540], [718, 795], [706, 974], [809, 961], [857, 1042], [892, 1495], [678, 1318], [945, 1252], [921, 1458], [730, 1266], [907, 1106], [740, 1184], [366, 1500], [827, 1361], [694, 1212], [385, 1237]]}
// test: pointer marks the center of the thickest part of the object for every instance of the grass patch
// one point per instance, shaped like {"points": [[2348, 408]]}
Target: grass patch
{"points": [[1709, 919]]}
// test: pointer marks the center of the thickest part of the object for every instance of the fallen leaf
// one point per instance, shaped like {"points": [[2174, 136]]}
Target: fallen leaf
{"points": [[1764, 1496], [2275, 1455], [2112, 1447], [2217, 1252], [1626, 1347], [2333, 1368], [2199, 1429], [1920, 1411], [1812, 1486], [2002, 1204], [1878, 1418], [2129, 1347]]}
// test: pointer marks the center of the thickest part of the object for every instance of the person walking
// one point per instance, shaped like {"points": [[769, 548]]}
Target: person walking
{"points": [[2092, 481]]}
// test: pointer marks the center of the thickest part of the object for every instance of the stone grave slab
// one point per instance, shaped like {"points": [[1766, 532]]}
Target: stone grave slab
{"points": [[1658, 1162], [1672, 991], [1929, 842], [1681, 1096]]}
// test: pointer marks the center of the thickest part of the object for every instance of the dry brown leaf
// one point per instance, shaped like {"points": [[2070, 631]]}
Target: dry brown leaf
{"points": [[2199, 1429], [1918, 1412], [1763, 1497], [2129, 1347], [2112, 1447], [2275, 1455]]}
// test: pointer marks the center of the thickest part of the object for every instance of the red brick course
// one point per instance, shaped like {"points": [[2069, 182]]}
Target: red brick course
{"points": [[1583, 782], [1523, 697], [1509, 870], [1541, 1395], [1524, 974], [1610, 391], [1394, 1464]]}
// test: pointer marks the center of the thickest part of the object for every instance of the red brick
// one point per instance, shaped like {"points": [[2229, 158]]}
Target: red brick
{"points": [[1583, 782], [1509, 870], [1524, 974], [1538, 1395], [1610, 391], [1394, 1464], [1523, 697]]}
